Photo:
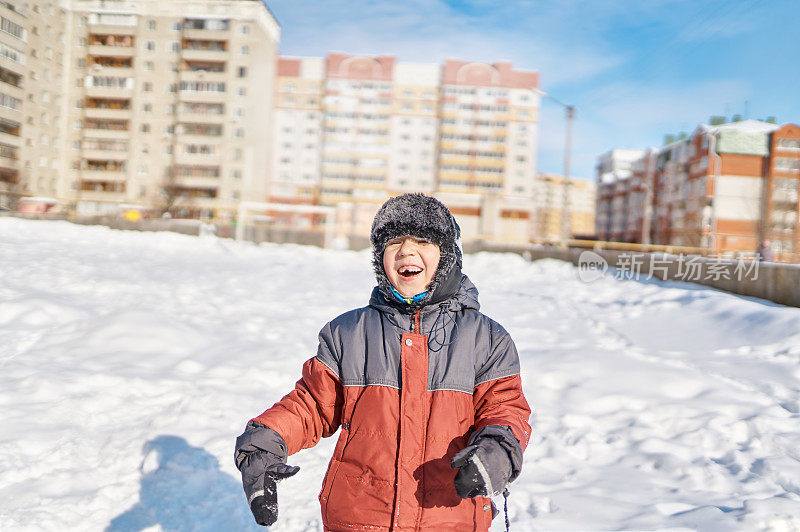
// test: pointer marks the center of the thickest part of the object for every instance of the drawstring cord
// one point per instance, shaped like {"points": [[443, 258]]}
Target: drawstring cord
{"points": [[505, 507], [439, 331]]}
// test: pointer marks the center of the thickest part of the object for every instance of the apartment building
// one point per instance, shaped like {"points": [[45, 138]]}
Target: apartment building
{"points": [[613, 166], [169, 109], [549, 201], [297, 139], [353, 130], [32, 122], [105, 104], [726, 187], [13, 46]]}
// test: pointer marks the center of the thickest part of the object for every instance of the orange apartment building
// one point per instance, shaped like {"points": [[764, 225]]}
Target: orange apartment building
{"points": [[725, 188]]}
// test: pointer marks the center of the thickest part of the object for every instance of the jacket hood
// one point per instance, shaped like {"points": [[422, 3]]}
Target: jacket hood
{"points": [[466, 297]]}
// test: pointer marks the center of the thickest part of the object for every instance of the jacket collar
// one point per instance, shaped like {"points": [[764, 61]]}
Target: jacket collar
{"points": [[466, 297]]}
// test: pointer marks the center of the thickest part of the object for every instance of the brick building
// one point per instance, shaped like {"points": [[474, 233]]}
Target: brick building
{"points": [[725, 188]]}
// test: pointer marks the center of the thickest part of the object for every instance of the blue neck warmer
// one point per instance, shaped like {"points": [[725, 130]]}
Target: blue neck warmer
{"points": [[407, 300]]}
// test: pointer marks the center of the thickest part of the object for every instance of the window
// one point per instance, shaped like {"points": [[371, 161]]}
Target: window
{"points": [[789, 144], [786, 163], [12, 53], [148, 65], [175, 47], [244, 50], [176, 26], [148, 107], [145, 128], [245, 29], [10, 102], [242, 72], [81, 63], [239, 132], [150, 46], [151, 25], [147, 86], [242, 91]]}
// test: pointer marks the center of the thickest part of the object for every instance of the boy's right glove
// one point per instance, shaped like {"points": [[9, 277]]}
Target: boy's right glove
{"points": [[261, 457], [492, 459]]}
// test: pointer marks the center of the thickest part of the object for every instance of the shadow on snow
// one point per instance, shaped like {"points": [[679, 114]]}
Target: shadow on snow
{"points": [[183, 489]]}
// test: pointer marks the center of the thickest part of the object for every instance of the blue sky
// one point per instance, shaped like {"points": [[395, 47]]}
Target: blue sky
{"points": [[635, 70]]}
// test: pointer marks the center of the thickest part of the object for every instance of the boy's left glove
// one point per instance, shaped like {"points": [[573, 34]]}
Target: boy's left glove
{"points": [[261, 457], [491, 460]]}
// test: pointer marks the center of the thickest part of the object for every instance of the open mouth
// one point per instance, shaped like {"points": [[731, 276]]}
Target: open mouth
{"points": [[409, 272]]}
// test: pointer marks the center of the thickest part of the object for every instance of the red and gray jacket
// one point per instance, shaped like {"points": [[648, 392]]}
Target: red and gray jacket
{"points": [[408, 391]]}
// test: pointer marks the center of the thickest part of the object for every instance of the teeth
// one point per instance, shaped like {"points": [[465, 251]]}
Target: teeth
{"points": [[410, 270]]}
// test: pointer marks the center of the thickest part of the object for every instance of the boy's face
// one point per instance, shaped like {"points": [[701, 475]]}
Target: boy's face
{"points": [[410, 263]]}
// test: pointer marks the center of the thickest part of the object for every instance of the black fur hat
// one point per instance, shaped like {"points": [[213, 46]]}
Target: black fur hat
{"points": [[423, 217]]}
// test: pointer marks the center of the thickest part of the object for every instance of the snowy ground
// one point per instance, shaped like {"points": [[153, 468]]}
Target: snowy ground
{"points": [[130, 361]]}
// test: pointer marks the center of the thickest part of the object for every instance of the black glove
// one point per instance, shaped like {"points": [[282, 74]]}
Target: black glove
{"points": [[490, 461], [264, 503], [261, 457]]}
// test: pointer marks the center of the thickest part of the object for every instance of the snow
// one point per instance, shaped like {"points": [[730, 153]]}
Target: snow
{"points": [[131, 361]]}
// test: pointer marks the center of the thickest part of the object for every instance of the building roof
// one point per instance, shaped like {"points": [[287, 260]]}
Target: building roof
{"points": [[745, 126]]}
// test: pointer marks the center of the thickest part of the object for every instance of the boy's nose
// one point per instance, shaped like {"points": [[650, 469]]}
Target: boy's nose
{"points": [[408, 247]]}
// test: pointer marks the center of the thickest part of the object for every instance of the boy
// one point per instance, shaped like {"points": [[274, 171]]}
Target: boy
{"points": [[425, 388]]}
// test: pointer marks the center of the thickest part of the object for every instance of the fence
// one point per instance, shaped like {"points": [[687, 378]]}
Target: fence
{"points": [[775, 282]]}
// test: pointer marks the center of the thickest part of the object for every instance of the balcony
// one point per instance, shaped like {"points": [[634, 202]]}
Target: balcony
{"points": [[108, 92], [108, 129], [103, 154], [107, 176], [192, 159], [203, 35], [202, 96], [105, 70], [117, 51], [98, 112], [102, 195], [191, 54], [192, 182], [8, 162], [200, 118], [11, 140], [111, 29], [203, 75]]}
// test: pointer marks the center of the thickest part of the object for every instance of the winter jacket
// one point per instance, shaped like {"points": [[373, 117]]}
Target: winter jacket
{"points": [[408, 391]]}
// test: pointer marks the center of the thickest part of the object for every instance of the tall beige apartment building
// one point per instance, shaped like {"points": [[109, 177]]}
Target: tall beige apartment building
{"points": [[168, 104], [13, 44], [164, 105], [353, 130], [31, 88]]}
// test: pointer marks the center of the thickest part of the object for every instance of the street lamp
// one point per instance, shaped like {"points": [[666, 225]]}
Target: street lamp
{"points": [[565, 211]]}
